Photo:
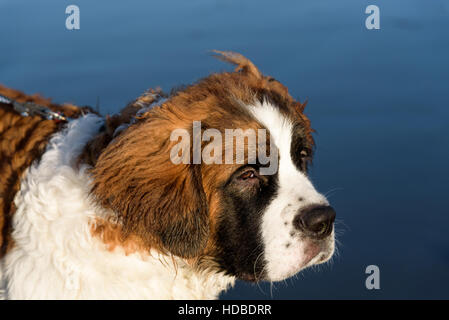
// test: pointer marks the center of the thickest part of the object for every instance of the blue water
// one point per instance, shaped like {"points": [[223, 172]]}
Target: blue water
{"points": [[379, 100]]}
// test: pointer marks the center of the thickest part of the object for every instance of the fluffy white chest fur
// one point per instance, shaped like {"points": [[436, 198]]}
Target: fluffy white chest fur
{"points": [[56, 257]]}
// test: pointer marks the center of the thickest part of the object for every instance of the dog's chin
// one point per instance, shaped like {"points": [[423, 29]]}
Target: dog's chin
{"points": [[309, 253]]}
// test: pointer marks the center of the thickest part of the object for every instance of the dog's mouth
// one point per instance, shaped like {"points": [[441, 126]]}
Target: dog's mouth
{"points": [[312, 253], [316, 253]]}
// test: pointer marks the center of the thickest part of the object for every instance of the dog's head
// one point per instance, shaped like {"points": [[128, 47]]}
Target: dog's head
{"points": [[178, 180]]}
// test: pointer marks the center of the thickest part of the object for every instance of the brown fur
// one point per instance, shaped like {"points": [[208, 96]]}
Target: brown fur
{"points": [[22, 140], [112, 236], [94, 147]]}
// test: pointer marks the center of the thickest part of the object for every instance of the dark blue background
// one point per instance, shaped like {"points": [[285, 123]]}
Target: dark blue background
{"points": [[379, 100]]}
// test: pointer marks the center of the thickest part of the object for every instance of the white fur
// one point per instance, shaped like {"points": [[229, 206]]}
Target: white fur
{"points": [[55, 255], [283, 261], [2, 282]]}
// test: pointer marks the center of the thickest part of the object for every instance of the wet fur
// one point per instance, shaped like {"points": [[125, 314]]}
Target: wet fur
{"points": [[136, 204]]}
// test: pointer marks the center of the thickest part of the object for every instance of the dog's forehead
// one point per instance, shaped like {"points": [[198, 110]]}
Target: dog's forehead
{"points": [[253, 115], [225, 97]]}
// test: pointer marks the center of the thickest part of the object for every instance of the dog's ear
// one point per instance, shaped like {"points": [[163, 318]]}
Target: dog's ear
{"points": [[243, 64], [160, 202], [247, 68]]}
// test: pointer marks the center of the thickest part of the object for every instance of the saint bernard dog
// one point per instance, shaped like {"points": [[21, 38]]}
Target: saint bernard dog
{"points": [[94, 208]]}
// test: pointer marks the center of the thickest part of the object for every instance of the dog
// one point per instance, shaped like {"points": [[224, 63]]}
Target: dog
{"points": [[95, 208]]}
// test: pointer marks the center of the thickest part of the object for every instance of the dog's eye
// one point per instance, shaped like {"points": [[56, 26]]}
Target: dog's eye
{"points": [[250, 174]]}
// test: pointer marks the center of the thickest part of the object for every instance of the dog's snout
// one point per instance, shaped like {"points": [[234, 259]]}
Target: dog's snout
{"points": [[316, 222]]}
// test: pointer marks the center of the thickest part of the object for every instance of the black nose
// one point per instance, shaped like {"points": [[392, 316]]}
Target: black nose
{"points": [[316, 222]]}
